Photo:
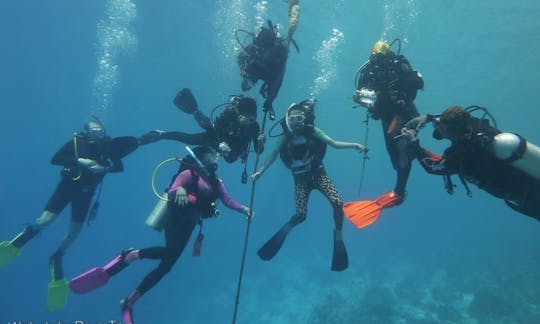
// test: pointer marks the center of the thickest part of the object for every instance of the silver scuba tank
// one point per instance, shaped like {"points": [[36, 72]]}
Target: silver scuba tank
{"points": [[157, 216], [519, 153]]}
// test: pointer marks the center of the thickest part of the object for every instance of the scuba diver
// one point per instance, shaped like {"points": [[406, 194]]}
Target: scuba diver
{"points": [[302, 147], [387, 86], [266, 57], [503, 164], [85, 159], [230, 133], [191, 198]]}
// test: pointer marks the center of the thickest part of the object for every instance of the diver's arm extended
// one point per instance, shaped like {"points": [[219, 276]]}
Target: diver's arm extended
{"points": [[65, 155], [270, 159], [337, 144], [431, 162], [192, 139]]}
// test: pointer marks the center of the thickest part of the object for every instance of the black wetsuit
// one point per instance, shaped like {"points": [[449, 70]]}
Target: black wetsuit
{"points": [[78, 183], [180, 222], [396, 84], [473, 161], [227, 128], [266, 63]]}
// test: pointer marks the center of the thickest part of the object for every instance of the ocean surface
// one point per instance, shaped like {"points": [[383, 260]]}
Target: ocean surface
{"points": [[434, 259]]}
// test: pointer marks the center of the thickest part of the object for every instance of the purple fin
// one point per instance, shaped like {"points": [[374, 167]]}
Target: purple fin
{"points": [[93, 278]]}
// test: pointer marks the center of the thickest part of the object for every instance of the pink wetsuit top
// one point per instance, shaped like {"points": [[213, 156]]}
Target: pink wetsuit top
{"points": [[185, 178]]}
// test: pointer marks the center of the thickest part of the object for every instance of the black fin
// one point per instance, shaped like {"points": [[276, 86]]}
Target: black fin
{"points": [[271, 248], [185, 101], [340, 259]]}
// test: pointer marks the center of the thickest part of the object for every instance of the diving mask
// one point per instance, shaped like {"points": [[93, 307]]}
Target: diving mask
{"points": [[296, 119]]}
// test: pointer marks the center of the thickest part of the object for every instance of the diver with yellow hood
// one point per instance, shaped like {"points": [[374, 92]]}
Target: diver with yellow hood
{"points": [[387, 86]]}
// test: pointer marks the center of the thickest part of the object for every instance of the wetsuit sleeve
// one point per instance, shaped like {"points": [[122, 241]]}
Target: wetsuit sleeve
{"points": [[182, 180], [117, 166], [318, 133], [65, 155], [410, 79], [226, 198], [431, 162]]}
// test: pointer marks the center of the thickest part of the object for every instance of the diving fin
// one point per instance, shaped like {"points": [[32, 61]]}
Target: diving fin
{"points": [[58, 289], [365, 213], [90, 280], [271, 248], [340, 258], [99, 276], [8, 252], [57, 294], [185, 101]]}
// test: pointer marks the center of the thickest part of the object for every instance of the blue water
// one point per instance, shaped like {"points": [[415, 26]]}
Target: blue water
{"points": [[436, 258]]}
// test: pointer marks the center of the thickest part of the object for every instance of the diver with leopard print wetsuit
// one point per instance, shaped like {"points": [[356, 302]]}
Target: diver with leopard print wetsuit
{"points": [[302, 147]]}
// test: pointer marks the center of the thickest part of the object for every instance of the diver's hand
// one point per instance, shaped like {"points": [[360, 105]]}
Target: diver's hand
{"points": [[267, 107], [409, 134], [181, 197], [91, 165], [417, 122], [151, 137], [248, 212], [224, 148], [360, 148], [261, 139], [255, 176]]}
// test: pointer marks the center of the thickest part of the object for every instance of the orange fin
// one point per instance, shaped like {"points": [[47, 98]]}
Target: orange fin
{"points": [[362, 213], [365, 213]]}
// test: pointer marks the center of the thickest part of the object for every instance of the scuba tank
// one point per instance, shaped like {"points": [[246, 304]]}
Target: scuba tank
{"points": [[518, 153], [156, 217]]}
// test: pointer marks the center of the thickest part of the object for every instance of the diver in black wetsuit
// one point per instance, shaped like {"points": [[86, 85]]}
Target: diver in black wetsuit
{"points": [[266, 57], [85, 159], [387, 86], [230, 134], [482, 155], [393, 84]]}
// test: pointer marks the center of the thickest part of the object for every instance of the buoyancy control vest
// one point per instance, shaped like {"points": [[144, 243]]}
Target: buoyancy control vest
{"points": [[302, 152]]}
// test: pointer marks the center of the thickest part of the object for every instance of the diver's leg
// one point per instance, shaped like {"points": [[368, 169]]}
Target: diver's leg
{"points": [[303, 186], [177, 233], [403, 166], [274, 244], [294, 16], [340, 257], [325, 185], [58, 201]]}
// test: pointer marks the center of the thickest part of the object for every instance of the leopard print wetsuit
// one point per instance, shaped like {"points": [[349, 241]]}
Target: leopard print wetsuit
{"points": [[307, 182]]}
